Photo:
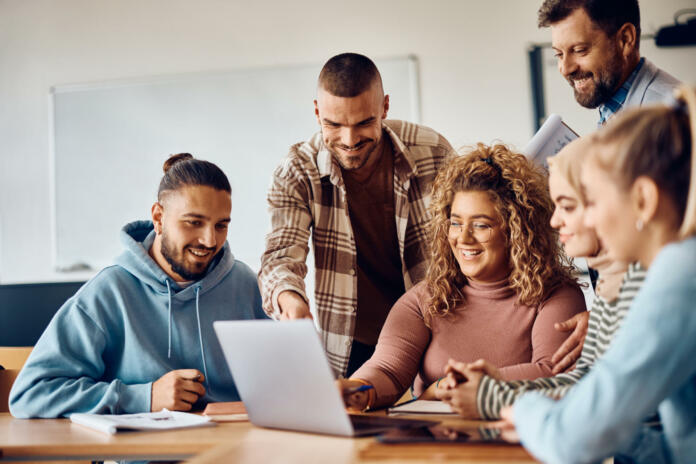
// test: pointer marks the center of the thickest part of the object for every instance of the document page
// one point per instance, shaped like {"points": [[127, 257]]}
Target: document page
{"points": [[422, 407], [553, 135], [162, 420]]}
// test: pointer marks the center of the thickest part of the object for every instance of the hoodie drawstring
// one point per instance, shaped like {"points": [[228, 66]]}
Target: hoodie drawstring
{"points": [[200, 341], [169, 294]]}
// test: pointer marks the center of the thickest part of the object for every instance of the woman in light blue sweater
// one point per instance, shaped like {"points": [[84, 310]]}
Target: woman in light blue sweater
{"points": [[641, 187]]}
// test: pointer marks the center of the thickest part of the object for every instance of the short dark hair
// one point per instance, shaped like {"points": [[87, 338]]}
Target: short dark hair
{"points": [[183, 169], [348, 75], [608, 15]]}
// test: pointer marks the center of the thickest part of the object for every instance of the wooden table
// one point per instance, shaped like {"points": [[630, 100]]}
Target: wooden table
{"points": [[238, 442]]}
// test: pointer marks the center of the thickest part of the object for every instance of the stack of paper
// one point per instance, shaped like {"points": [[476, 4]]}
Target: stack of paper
{"points": [[163, 420], [549, 139]]}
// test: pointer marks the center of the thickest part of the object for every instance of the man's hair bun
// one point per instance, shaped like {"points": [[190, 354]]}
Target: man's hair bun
{"points": [[172, 160], [183, 169]]}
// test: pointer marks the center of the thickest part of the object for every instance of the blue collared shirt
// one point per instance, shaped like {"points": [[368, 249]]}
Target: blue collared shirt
{"points": [[616, 101]]}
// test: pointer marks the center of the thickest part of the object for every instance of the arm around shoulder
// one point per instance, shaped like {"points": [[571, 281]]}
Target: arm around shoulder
{"points": [[561, 305]]}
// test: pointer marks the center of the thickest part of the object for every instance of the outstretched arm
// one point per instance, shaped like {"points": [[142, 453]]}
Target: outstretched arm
{"points": [[283, 263]]}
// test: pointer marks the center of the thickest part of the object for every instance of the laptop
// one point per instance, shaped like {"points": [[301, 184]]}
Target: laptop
{"points": [[285, 381]]}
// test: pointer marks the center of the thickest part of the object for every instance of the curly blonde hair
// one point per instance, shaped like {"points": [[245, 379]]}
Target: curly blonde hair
{"points": [[519, 190]]}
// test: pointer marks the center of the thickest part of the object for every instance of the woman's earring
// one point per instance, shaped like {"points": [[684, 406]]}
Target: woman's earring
{"points": [[639, 225]]}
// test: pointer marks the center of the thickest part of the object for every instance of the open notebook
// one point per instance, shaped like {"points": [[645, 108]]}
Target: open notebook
{"points": [[421, 407], [162, 420]]}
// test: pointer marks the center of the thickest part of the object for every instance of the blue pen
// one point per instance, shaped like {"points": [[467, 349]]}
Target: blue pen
{"points": [[361, 388]]}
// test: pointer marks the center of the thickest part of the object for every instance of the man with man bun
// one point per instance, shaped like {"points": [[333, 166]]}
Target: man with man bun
{"points": [[138, 336]]}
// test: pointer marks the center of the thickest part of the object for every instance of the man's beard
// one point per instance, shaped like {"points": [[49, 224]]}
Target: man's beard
{"points": [[606, 84], [334, 150], [178, 263]]}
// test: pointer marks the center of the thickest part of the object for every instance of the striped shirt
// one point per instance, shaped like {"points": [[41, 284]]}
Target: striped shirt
{"points": [[605, 320], [308, 196]]}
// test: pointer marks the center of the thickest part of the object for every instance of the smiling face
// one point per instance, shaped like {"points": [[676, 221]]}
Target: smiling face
{"points": [[191, 225], [473, 214], [591, 61], [568, 218], [352, 126], [609, 213]]}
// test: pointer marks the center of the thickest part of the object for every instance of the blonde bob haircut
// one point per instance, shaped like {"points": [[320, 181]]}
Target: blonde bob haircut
{"points": [[519, 190], [568, 163], [655, 142]]}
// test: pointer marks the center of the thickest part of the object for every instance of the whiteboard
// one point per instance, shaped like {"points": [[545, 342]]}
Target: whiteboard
{"points": [[111, 139], [558, 95]]}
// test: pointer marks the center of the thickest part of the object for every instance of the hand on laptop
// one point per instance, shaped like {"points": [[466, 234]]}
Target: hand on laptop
{"points": [[177, 390], [293, 306], [354, 400]]}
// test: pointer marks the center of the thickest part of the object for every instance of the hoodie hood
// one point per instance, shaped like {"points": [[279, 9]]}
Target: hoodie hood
{"points": [[137, 238]]}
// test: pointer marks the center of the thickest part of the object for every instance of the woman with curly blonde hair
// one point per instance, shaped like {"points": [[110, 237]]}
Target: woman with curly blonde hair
{"points": [[519, 192], [497, 282]]}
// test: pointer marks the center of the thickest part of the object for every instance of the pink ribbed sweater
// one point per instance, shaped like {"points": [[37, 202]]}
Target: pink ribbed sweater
{"points": [[520, 340]]}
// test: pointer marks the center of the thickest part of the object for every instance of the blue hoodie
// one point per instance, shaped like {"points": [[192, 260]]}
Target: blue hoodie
{"points": [[130, 325]]}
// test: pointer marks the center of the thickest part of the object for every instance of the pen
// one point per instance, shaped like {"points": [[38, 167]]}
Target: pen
{"points": [[361, 388]]}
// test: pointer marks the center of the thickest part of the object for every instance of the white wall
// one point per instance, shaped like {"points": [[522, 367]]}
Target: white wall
{"points": [[474, 77]]}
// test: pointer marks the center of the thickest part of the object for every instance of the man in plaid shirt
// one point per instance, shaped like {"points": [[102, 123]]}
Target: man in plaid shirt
{"points": [[361, 189]]}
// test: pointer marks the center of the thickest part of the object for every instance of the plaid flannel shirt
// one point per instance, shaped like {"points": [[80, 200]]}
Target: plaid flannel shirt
{"points": [[308, 194]]}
